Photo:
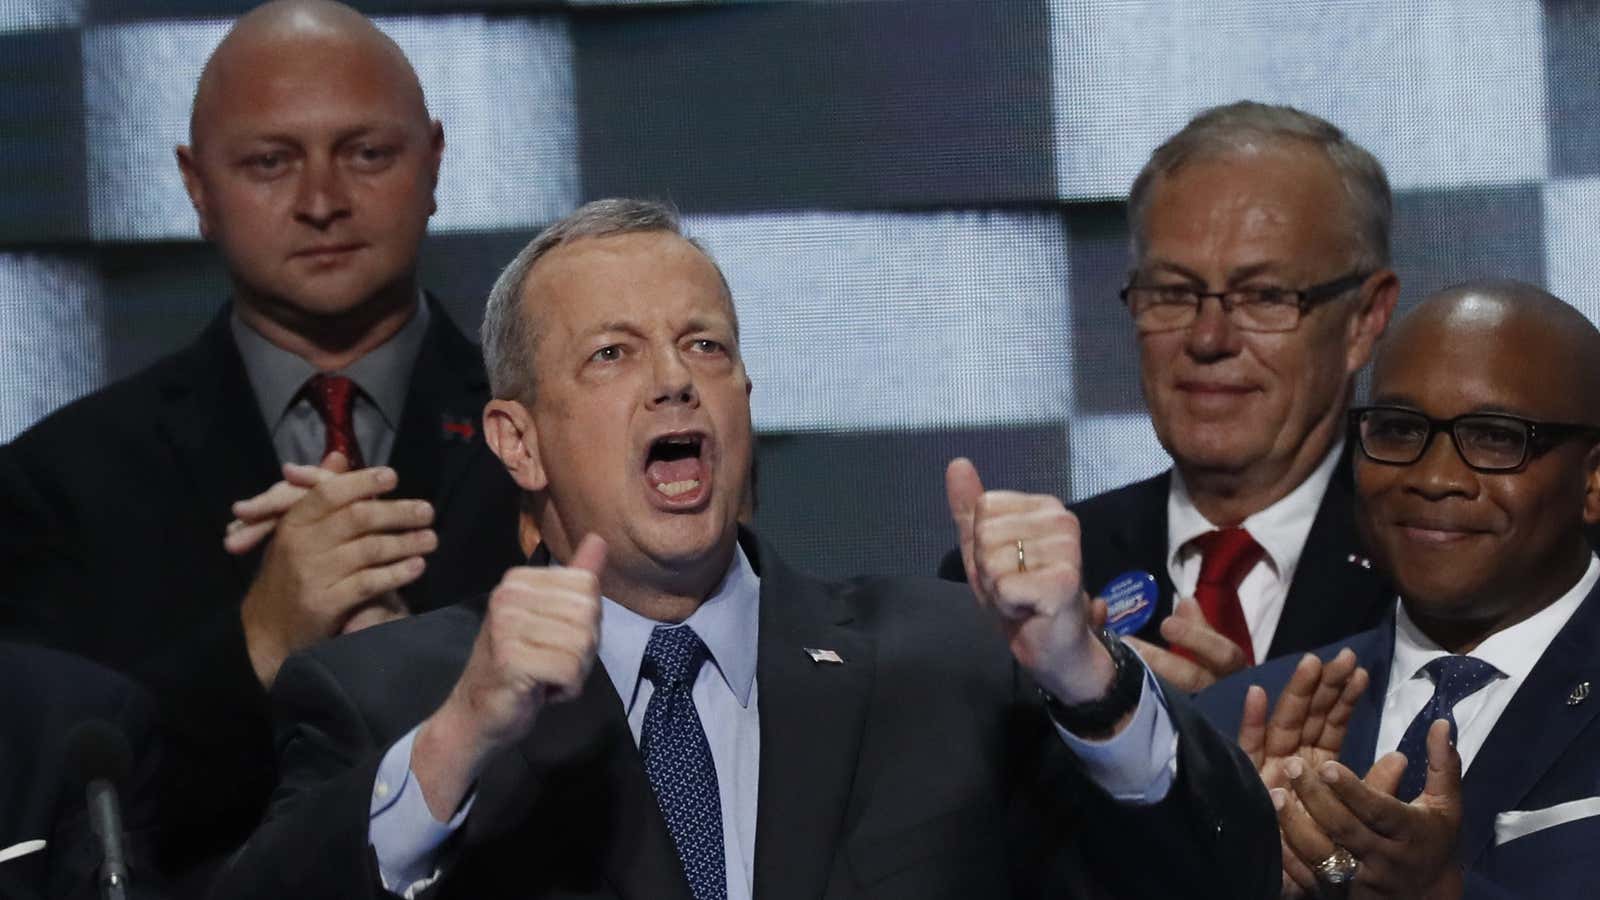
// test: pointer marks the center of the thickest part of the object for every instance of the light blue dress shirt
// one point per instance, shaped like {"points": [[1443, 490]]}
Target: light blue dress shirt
{"points": [[1137, 765], [406, 837]]}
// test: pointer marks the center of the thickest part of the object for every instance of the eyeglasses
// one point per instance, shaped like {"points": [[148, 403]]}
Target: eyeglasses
{"points": [[1162, 307], [1487, 442]]}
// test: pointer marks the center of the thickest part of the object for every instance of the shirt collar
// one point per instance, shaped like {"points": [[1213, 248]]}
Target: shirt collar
{"points": [[728, 623], [383, 374], [1514, 651], [1281, 529]]}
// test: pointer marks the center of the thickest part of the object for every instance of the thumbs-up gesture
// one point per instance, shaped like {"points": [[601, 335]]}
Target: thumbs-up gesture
{"points": [[536, 645], [1023, 560]]}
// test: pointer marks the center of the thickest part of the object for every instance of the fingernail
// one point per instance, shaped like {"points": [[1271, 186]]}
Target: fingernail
{"points": [[1294, 768], [385, 475], [1330, 773], [1279, 798]]}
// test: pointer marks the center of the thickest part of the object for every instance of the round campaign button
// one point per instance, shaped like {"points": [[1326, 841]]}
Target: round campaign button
{"points": [[1130, 602]]}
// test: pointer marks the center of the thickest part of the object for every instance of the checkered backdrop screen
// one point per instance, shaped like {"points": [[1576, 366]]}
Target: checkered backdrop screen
{"points": [[917, 202]]}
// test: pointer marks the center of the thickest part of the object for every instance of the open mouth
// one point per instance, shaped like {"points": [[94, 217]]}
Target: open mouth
{"points": [[676, 469]]}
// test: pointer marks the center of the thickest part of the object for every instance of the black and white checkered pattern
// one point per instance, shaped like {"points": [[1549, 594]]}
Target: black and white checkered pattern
{"points": [[917, 202]]}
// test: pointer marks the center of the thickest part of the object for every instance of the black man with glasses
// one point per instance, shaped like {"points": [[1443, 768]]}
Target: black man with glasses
{"points": [[1260, 282], [1477, 469]]}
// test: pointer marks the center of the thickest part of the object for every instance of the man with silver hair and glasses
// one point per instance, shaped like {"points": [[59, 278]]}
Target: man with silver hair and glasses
{"points": [[1260, 283], [748, 730]]}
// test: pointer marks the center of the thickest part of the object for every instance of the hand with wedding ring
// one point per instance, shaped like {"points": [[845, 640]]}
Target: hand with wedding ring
{"points": [[1357, 840], [1308, 722], [1023, 560]]}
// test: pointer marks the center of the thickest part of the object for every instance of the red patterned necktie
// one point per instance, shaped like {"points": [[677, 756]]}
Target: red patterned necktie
{"points": [[1226, 556], [334, 399]]}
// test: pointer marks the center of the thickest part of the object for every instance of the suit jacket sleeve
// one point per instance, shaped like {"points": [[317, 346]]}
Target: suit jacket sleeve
{"points": [[313, 842], [1214, 835]]}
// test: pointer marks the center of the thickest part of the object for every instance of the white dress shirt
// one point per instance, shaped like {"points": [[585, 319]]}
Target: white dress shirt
{"points": [[1281, 530], [1514, 651]]}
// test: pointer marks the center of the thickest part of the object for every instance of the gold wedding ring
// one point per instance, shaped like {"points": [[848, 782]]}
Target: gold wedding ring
{"points": [[1022, 557]]}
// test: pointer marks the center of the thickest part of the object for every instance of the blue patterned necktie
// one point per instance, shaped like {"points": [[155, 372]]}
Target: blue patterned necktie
{"points": [[1455, 678], [678, 759]]}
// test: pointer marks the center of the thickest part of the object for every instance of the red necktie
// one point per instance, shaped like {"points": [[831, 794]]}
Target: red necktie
{"points": [[1226, 556], [334, 399]]}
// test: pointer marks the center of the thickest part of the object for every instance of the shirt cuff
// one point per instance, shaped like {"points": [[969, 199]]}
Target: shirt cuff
{"points": [[404, 835], [1139, 763]]}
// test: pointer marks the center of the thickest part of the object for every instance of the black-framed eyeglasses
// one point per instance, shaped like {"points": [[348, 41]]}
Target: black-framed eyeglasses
{"points": [[1487, 442], [1171, 307]]}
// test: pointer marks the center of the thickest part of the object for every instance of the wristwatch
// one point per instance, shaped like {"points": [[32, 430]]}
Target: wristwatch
{"points": [[1100, 715]]}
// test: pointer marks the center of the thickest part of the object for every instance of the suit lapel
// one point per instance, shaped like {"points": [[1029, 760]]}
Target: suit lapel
{"points": [[1138, 541], [812, 718], [1374, 652], [1336, 591], [1535, 729], [438, 433], [210, 417], [583, 752]]}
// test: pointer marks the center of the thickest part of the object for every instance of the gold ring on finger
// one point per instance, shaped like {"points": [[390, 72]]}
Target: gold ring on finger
{"points": [[1339, 868], [1022, 557]]}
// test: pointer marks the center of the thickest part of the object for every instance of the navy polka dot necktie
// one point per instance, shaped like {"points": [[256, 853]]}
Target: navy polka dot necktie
{"points": [[1455, 678], [678, 759]]}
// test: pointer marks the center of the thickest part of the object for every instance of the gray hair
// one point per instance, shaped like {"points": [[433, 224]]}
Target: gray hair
{"points": [[507, 336], [1225, 130]]}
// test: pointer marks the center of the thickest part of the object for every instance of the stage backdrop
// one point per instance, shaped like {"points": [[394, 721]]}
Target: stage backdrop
{"points": [[918, 204]]}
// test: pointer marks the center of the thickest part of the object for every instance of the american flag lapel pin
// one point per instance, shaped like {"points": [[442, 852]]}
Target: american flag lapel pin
{"points": [[824, 656]]}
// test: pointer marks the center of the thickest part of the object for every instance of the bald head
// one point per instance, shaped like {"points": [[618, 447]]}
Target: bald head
{"points": [[1484, 526], [281, 31], [1532, 328]]}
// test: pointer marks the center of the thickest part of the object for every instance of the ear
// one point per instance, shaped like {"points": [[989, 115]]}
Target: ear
{"points": [[508, 429], [1379, 294], [435, 157], [189, 167], [1591, 486]]}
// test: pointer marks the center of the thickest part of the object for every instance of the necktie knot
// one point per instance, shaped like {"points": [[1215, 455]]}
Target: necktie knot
{"points": [[334, 399], [1226, 556], [1455, 678], [673, 656]]}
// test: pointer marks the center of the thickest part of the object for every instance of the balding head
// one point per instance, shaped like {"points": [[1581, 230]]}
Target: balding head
{"points": [[1541, 331], [276, 31], [312, 168]]}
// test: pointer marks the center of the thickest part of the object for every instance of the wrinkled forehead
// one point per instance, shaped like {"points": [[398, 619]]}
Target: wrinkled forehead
{"points": [[1253, 190], [648, 281]]}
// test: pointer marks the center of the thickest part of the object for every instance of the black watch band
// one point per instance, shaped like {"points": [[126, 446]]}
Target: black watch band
{"points": [[1101, 715]]}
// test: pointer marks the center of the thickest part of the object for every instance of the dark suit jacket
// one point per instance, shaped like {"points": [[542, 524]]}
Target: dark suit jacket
{"points": [[923, 767], [1543, 751], [43, 696], [112, 511], [1335, 591]]}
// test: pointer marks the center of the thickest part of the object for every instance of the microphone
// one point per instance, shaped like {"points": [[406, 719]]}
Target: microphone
{"points": [[98, 754]]}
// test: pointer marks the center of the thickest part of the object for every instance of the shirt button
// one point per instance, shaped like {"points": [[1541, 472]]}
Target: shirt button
{"points": [[380, 790]]}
